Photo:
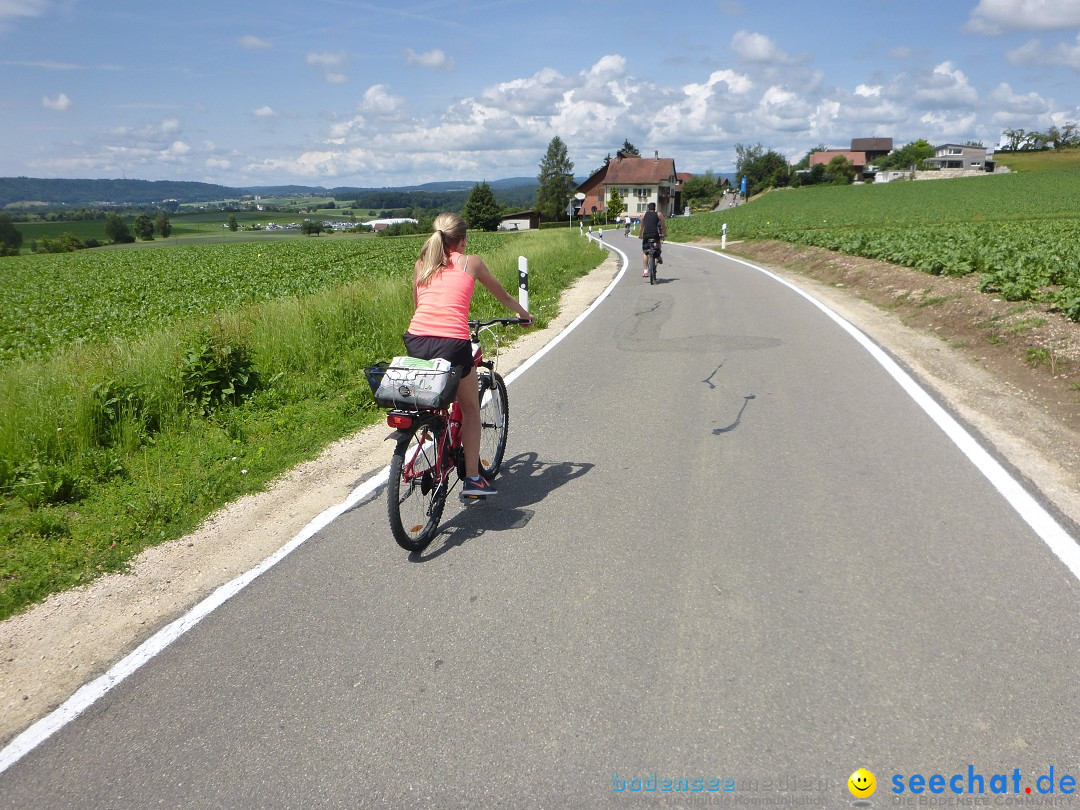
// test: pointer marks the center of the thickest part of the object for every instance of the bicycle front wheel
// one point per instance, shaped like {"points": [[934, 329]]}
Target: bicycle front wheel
{"points": [[417, 490], [494, 421]]}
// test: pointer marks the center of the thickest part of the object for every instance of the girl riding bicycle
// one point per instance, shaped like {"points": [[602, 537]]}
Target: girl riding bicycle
{"points": [[443, 281]]}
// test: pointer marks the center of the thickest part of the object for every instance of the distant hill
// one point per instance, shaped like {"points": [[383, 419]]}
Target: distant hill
{"points": [[514, 191], [121, 192]]}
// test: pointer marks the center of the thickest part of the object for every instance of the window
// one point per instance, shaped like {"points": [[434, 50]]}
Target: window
{"points": [[641, 207]]}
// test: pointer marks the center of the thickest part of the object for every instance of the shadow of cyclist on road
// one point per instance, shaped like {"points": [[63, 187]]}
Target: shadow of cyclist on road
{"points": [[523, 481]]}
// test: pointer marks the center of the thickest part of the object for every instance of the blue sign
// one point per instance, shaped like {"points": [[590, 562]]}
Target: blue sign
{"points": [[742, 187]]}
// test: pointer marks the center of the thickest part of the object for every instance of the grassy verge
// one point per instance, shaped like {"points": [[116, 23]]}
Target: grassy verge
{"points": [[108, 449]]}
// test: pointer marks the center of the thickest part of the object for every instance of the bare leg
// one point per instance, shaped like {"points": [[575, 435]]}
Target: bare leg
{"points": [[469, 400]]}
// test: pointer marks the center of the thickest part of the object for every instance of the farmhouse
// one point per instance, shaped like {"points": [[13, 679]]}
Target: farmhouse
{"points": [[857, 159], [639, 181], [862, 154]]}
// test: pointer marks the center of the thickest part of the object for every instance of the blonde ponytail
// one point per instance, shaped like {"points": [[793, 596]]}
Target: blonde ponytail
{"points": [[449, 231]]}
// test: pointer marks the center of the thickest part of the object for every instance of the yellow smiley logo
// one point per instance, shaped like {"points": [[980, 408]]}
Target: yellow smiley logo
{"points": [[862, 783]]}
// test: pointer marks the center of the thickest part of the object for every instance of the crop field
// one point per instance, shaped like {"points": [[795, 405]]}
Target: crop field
{"points": [[183, 224], [143, 389], [1019, 232], [56, 300]]}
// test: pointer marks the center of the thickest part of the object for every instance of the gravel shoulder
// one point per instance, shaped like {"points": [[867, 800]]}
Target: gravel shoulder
{"points": [[1029, 413]]}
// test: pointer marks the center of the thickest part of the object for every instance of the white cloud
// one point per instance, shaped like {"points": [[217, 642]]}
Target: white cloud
{"points": [[60, 103], [999, 16], [1034, 53], [758, 48], [378, 101], [265, 111], [12, 9], [332, 64], [1013, 110], [868, 90], [945, 87], [254, 43], [436, 59]]}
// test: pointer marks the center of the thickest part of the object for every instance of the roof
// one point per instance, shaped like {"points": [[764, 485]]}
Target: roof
{"points": [[857, 158], [871, 144], [639, 170]]}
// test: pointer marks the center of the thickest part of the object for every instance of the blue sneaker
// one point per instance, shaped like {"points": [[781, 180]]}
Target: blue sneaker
{"points": [[478, 488]]}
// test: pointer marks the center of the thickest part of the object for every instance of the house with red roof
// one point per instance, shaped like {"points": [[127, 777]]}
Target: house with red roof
{"points": [[639, 180]]}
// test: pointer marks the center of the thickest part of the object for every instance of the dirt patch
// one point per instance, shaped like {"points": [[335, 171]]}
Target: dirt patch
{"points": [[970, 349]]}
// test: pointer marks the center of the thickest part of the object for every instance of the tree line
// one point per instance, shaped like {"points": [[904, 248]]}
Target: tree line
{"points": [[1067, 136]]}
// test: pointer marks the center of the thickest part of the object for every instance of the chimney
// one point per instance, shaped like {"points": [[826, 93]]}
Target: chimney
{"points": [[656, 154]]}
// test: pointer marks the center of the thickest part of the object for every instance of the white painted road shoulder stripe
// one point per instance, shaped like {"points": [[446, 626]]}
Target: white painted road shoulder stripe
{"points": [[1033, 513], [91, 692]]}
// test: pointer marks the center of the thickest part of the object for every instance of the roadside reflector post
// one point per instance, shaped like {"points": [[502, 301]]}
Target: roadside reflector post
{"points": [[523, 282], [723, 237]]}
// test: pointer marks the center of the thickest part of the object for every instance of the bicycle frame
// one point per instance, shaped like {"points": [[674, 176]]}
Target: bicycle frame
{"points": [[445, 422]]}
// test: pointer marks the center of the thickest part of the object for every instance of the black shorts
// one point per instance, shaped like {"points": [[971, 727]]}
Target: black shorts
{"points": [[458, 351]]}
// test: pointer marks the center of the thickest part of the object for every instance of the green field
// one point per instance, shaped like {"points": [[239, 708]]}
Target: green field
{"points": [[55, 300], [1039, 161], [146, 388], [201, 223], [1020, 232]]}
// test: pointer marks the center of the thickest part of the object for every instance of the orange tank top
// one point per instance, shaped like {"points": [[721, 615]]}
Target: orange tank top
{"points": [[442, 305]]}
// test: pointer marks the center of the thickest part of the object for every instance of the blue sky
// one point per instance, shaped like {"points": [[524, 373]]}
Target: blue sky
{"points": [[342, 92]]}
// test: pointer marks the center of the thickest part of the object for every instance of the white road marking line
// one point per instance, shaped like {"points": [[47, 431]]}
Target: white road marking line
{"points": [[91, 692], [1033, 513]]}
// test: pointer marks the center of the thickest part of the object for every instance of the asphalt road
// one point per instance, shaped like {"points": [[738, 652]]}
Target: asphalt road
{"points": [[727, 546]]}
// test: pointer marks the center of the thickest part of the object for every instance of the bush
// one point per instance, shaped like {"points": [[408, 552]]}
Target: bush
{"points": [[216, 372]]}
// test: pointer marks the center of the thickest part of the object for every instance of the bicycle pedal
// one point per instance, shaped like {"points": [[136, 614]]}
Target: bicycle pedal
{"points": [[467, 498]]}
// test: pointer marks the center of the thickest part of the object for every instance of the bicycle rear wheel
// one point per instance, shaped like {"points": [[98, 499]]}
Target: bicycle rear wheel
{"points": [[417, 490], [494, 421], [652, 266]]}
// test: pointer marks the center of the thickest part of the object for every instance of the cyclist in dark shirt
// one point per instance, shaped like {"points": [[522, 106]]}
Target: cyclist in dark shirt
{"points": [[652, 227]]}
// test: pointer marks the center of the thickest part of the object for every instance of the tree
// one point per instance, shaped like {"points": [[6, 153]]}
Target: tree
{"points": [[144, 227], [805, 162], [701, 191], [232, 223], [117, 229], [10, 238], [311, 228], [629, 149], [745, 155], [615, 204], [907, 156], [840, 171], [556, 181], [481, 209], [761, 169], [162, 225]]}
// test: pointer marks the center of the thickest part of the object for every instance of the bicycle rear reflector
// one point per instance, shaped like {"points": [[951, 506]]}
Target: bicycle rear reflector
{"points": [[399, 421]]}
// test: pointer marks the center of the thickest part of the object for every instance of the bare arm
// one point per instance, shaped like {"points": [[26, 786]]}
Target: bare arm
{"points": [[663, 225], [485, 277]]}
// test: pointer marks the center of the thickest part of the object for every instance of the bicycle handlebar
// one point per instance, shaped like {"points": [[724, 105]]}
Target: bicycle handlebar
{"points": [[474, 325]]}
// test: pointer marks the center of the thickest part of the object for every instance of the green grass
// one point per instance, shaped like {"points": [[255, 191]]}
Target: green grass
{"points": [[1020, 232], [1039, 161], [107, 447]]}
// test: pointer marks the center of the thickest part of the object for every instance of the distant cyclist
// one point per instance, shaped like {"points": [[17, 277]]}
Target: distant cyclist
{"points": [[652, 227]]}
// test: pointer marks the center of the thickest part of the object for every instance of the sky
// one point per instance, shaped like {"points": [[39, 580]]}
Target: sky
{"points": [[351, 93]]}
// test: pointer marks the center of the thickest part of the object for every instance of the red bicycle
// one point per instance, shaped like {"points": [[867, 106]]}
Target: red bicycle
{"points": [[429, 451]]}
